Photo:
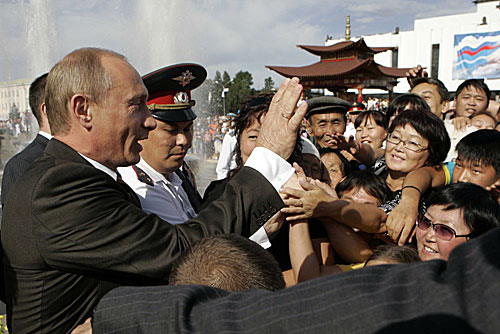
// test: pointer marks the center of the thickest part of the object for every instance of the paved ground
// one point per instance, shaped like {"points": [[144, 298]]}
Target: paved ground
{"points": [[204, 171]]}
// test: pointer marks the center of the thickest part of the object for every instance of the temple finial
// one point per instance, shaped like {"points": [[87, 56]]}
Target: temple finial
{"points": [[348, 28]]}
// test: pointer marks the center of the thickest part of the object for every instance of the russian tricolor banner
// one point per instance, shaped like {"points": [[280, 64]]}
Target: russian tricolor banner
{"points": [[477, 56]]}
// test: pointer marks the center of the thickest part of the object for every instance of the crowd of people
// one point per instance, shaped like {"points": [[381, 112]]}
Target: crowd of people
{"points": [[104, 230]]}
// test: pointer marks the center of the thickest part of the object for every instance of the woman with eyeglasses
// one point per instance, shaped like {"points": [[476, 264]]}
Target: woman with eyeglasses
{"points": [[457, 213], [416, 138]]}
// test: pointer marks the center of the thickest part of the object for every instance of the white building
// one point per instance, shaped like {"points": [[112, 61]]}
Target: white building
{"points": [[431, 44], [14, 93]]}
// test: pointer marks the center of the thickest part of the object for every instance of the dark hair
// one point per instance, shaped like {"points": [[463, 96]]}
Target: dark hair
{"points": [[229, 262], [365, 115], [486, 113], [371, 183], [37, 96], [480, 210], [481, 146], [478, 84], [428, 126], [394, 254], [401, 102], [441, 88], [345, 167], [246, 117]]}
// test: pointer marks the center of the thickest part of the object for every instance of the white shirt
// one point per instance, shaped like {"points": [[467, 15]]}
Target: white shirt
{"points": [[350, 130], [275, 169], [227, 157], [455, 137], [165, 198], [45, 134]]}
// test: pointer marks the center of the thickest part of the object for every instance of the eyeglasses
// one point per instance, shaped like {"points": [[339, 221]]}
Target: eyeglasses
{"points": [[408, 144], [442, 231]]}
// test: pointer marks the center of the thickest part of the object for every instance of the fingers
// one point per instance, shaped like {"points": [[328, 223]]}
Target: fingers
{"points": [[299, 170], [279, 94], [326, 188], [288, 101], [405, 234], [298, 116], [412, 235], [295, 218], [292, 192], [293, 202]]}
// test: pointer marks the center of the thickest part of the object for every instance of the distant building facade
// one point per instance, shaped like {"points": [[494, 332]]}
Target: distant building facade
{"points": [[432, 44], [14, 94]]}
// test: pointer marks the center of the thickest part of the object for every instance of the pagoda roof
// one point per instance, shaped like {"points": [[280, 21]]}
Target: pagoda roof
{"points": [[342, 46], [330, 69]]}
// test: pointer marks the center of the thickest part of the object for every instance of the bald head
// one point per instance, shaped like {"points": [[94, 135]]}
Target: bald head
{"points": [[80, 72]]}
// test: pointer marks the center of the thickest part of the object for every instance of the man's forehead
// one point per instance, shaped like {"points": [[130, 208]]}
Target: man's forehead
{"points": [[424, 88], [334, 114], [180, 124], [473, 163], [473, 90]]}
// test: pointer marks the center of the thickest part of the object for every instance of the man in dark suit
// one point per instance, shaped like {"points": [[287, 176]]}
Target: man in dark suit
{"points": [[18, 164], [73, 230], [458, 296]]}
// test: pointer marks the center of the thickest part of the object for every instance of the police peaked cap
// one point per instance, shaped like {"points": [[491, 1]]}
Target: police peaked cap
{"points": [[170, 91]]}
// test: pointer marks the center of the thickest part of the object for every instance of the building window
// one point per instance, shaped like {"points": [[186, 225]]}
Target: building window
{"points": [[435, 61], [395, 54]]}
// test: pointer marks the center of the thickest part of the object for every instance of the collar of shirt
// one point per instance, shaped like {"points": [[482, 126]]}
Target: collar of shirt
{"points": [[101, 167], [45, 134], [172, 178]]}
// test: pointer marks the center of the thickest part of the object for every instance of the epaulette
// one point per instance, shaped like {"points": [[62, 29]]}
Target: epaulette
{"points": [[142, 176]]}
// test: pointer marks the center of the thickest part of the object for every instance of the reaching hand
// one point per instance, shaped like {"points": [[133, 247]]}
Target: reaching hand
{"points": [[461, 123], [415, 73], [305, 204], [274, 223], [281, 123], [401, 222], [349, 145]]}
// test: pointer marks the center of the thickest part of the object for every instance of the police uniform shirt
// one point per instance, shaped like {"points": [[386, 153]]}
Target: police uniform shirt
{"points": [[160, 195]]}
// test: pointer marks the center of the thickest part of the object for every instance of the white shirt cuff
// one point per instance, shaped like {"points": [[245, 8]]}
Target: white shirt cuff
{"points": [[276, 170], [261, 238]]}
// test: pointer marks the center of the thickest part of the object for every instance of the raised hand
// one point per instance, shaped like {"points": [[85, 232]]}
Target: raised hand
{"points": [[281, 123], [415, 73]]}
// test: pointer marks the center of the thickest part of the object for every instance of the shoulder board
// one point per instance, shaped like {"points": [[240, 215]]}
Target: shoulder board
{"points": [[142, 176]]}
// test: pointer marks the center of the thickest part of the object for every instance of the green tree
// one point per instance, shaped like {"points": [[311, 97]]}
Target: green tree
{"points": [[240, 90], [268, 85]]}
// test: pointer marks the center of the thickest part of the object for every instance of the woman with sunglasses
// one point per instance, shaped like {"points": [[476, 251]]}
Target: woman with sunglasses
{"points": [[457, 213]]}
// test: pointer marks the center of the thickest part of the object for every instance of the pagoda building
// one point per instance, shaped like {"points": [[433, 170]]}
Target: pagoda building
{"points": [[344, 65]]}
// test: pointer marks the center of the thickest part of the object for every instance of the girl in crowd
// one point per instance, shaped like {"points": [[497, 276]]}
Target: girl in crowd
{"points": [[336, 165], [371, 129]]}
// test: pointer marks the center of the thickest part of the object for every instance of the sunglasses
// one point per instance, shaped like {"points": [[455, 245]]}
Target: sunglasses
{"points": [[442, 231]]}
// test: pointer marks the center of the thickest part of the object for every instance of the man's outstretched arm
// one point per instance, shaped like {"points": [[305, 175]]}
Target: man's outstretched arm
{"points": [[460, 296]]}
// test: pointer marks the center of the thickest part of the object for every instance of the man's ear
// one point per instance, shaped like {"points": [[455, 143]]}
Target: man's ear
{"points": [[309, 129], [80, 108], [445, 106]]}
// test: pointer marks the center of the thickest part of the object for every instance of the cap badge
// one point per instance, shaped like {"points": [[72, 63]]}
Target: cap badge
{"points": [[185, 78], [181, 97]]}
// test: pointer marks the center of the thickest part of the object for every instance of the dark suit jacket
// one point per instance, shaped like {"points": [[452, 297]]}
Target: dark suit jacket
{"points": [[71, 233], [20, 162], [15, 168], [458, 296]]}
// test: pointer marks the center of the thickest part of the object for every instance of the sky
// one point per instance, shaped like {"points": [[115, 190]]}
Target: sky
{"points": [[220, 35]]}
